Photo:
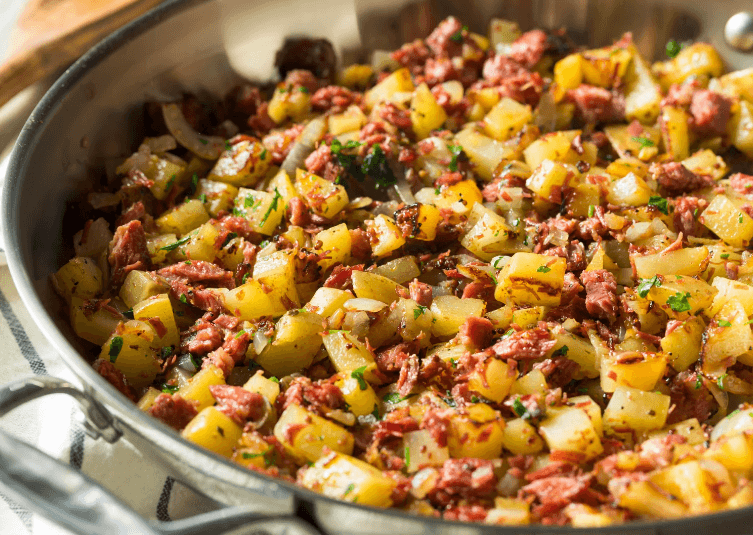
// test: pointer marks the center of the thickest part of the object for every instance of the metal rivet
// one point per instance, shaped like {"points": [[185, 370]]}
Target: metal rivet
{"points": [[739, 31]]}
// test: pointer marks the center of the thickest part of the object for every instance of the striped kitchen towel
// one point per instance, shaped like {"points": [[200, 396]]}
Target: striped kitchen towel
{"points": [[52, 425]]}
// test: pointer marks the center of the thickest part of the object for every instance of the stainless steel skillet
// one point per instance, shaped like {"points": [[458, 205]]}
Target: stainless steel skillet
{"points": [[92, 114]]}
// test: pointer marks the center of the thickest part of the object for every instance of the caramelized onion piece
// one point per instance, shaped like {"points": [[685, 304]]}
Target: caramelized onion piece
{"points": [[207, 147]]}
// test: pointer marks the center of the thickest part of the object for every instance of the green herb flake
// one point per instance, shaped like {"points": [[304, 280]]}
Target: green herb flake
{"points": [[167, 351], [228, 145], [420, 309], [128, 314], [437, 191], [196, 363], [720, 381], [237, 212], [643, 141], [475, 399], [357, 374], [698, 382], [348, 490], [240, 333], [169, 389], [561, 351], [407, 456], [375, 412], [673, 48], [679, 302], [544, 269], [375, 165], [646, 284], [660, 203], [508, 333], [740, 219], [518, 407], [583, 390], [591, 210], [455, 150], [303, 89], [203, 141], [194, 184], [393, 398], [245, 278], [730, 415], [115, 346], [175, 244], [230, 236], [724, 323], [183, 298], [203, 198], [274, 379], [272, 206]]}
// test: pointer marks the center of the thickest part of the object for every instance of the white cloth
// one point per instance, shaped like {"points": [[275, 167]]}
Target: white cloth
{"points": [[52, 425]]}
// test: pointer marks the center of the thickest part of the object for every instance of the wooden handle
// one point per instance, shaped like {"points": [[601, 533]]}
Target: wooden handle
{"points": [[58, 33]]}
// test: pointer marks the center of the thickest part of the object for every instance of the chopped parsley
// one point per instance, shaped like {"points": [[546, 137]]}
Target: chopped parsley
{"points": [[303, 89], [203, 141], [240, 333], [167, 351], [418, 311], [437, 191], [228, 145], [475, 399], [458, 36], [237, 212], [128, 314], [115, 346], [375, 412], [203, 197], [194, 184], [646, 284], [591, 210], [183, 298], [169, 389], [724, 256], [348, 490], [679, 302], [643, 141], [673, 48], [357, 374], [660, 203], [346, 160], [274, 379], [175, 244], [230, 236], [272, 206], [698, 382], [196, 363], [456, 151], [720, 381], [518, 407], [393, 398], [248, 202], [544, 269], [740, 219], [263, 155], [375, 165], [407, 456], [730, 415], [508, 333], [449, 399], [561, 351], [245, 278], [724, 323]]}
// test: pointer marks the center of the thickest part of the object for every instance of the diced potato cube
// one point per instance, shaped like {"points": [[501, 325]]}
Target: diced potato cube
{"points": [[728, 222], [350, 120], [336, 243], [450, 313], [349, 355], [147, 400], [426, 115], [509, 512], [421, 450], [630, 190], [698, 60], [729, 290], [182, 218], [632, 409], [521, 438], [733, 452], [347, 478], [262, 209], [424, 219], [399, 81], [139, 285], [286, 103], [705, 162], [727, 336], [323, 197], [477, 433], [484, 152], [276, 272], [628, 146], [602, 66], [406, 320], [507, 118], [687, 481], [373, 286], [641, 370], [250, 301], [675, 132], [570, 429], [197, 388], [156, 247], [688, 261], [578, 350], [683, 345], [400, 270], [388, 236], [96, 325], [297, 339], [213, 430], [131, 350], [261, 385], [557, 146], [494, 381], [679, 296], [533, 382], [79, 277], [643, 498], [305, 434], [158, 310], [548, 178], [642, 92], [741, 128], [216, 196], [327, 300], [531, 279], [488, 234], [200, 244], [361, 401]]}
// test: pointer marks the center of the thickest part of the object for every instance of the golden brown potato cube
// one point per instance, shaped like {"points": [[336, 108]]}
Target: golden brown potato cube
{"points": [[388, 236], [644, 147], [197, 389], [729, 290], [450, 313], [243, 163], [350, 356], [399, 81], [326, 301], [493, 381], [158, 311], [603, 66], [570, 429], [261, 385], [683, 344], [347, 478], [630, 190], [741, 128], [250, 301], [131, 349], [521, 438], [531, 279], [488, 234], [95, 326], [726, 220], [139, 285], [335, 243], [700, 60], [643, 498], [507, 118], [690, 483], [675, 134], [362, 401], [297, 339], [689, 261], [288, 102], [426, 115], [198, 245], [182, 218], [635, 410], [350, 120], [216, 196], [214, 431], [305, 434], [642, 92], [728, 336], [641, 370], [276, 272], [323, 197], [373, 286], [422, 450], [557, 146], [478, 432], [679, 296], [705, 162], [79, 277]]}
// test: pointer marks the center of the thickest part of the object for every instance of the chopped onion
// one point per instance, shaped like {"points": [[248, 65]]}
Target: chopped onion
{"points": [[400, 270], [98, 237], [185, 363], [382, 60], [733, 424], [207, 147], [558, 237], [304, 145], [103, 200], [508, 485], [358, 323], [359, 202], [386, 208], [161, 143], [364, 304], [263, 418], [345, 418], [404, 190], [260, 341]]}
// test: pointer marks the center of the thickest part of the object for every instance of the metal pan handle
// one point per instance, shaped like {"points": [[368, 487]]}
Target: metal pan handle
{"points": [[71, 499]]}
